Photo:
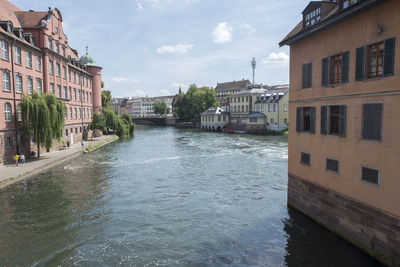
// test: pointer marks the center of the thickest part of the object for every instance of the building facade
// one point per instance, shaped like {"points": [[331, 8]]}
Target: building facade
{"points": [[35, 56], [345, 101], [214, 119], [144, 106], [224, 90]]}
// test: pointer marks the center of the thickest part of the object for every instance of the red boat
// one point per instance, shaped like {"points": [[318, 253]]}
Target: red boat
{"points": [[227, 130]]}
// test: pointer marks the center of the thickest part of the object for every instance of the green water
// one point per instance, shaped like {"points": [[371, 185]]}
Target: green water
{"points": [[167, 197]]}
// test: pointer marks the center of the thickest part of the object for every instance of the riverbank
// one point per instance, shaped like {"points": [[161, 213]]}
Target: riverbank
{"points": [[10, 174]]}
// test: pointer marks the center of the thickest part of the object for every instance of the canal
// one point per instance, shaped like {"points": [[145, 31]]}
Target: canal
{"points": [[167, 197]]}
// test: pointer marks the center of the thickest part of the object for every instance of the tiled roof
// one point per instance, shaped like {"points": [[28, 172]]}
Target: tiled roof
{"points": [[250, 92], [214, 110], [7, 12], [272, 96], [232, 86], [31, 19]]}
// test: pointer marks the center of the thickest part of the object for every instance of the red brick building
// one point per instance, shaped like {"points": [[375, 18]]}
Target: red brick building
{"points": [[35, 56]]}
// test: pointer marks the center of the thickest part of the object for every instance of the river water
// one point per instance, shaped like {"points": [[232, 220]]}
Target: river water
{"points": [[167, 197]]}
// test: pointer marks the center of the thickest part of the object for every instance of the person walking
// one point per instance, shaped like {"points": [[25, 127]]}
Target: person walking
{"points": [[16, 158], [22, 158]]}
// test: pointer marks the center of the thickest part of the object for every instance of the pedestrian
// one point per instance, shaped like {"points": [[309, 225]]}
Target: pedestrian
{"points": [[22, 158], [16, 158], [82, 143]]}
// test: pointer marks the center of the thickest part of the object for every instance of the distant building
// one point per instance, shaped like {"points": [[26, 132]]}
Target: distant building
{"points": [[214, 119], [144, 106], [224, 90], [274, 104], [344, 151], [119, 104]]}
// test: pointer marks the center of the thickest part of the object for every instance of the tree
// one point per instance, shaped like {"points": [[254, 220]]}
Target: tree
{"points": [[43, 117], [102, 84], [106, 99], [160, 108], [189, 106], [98, 122]]}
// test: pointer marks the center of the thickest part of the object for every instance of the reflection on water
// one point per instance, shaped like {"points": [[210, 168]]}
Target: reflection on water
{"points": [[168, 197]]}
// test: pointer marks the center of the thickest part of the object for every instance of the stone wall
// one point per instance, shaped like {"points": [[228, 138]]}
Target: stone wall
{"points": [[372, 230]]}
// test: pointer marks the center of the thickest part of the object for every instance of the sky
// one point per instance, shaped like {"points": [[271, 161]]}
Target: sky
{"points": [[151, 47]]}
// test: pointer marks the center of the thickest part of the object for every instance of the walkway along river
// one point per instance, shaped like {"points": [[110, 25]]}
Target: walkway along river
{"points": [[167, 197]]}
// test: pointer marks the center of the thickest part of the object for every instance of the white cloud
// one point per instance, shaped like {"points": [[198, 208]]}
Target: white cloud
{"points": [[179, 48], [277, 59], [139, 6], [248, 28], [222, 33], [180, 84], [164, 92], [123, 80]]}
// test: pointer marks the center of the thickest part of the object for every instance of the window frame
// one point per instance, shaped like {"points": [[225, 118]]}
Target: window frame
{"points": [[368, 182], [329, 170], [304, 162], [7, 112]]}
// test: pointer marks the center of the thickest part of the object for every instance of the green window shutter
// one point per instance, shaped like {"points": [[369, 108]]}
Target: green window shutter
{"points": [[324, 113], [304, 76], [342, 120], [360, 63], [309, 75], [345, 67], [298, 120], [388, 60], [312, 120], [325, 64], [372, 121]]}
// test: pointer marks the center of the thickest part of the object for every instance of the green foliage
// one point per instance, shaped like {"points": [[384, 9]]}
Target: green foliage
{"points": [[160, 108], [106, 99], [189, 106], [102, 84], [43, 116], [98, 122]]}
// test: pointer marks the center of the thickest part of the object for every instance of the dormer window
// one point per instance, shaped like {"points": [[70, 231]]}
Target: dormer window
{"points": [[7, 26], [313, 17], [348, 3]]}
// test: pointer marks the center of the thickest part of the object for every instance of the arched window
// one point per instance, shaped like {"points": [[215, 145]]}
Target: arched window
{"points": [[19, 112], [76, 114], [7, 112], [285, 121]]}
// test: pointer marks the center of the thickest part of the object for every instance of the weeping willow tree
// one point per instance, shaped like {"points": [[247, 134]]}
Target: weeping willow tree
{"points": [[43, 117]]}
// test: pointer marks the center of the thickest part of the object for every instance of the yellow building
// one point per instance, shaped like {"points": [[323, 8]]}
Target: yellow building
{"points": [[274, 105], [344, 152], [214, 119]]}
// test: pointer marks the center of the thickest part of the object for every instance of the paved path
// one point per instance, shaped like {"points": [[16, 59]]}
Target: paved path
{"points": [[10, 174]]}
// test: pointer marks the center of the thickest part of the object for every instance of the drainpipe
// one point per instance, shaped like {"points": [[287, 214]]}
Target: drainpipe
{"points": [[14, 97]]}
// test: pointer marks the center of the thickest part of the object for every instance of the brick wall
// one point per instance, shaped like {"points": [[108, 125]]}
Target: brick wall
{"points": [[372, 230]]}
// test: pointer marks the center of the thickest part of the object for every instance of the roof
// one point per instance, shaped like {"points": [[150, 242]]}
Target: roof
{"points": [[31, 19], [333, 17], [272, 96], [250, 92], [214, 111], [7, 12], [232, 86], [256, 115]]}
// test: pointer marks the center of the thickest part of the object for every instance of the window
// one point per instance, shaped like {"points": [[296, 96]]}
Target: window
{"points": [[39, 85], [70, 93], [17, 55], [307, 75], [66, 132], [28, 59], [74, 77], [253, 119], [272, 121], [69, 75], [75, 113], [87, 97], [63, 51], [269, 107], [74, 94], [285, 121], [38, 63], [29, 84], [70, 113], [372, 121], [51, 67], [370, 175], [305, 119], [52, 88], [333, 120], [284, 107], [50, 43], [18, 83], [56, 29], [57, 48], [379, 60], [275, 107], [21, 140], [332, 165], [76, 130], [58, 70], [305, 158], [65, 114], [9, 142], [4, 50], [65, 92], [7, 112], [84, 113], [58, 90], [19, 112], [79, 95], [64, 72]]}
